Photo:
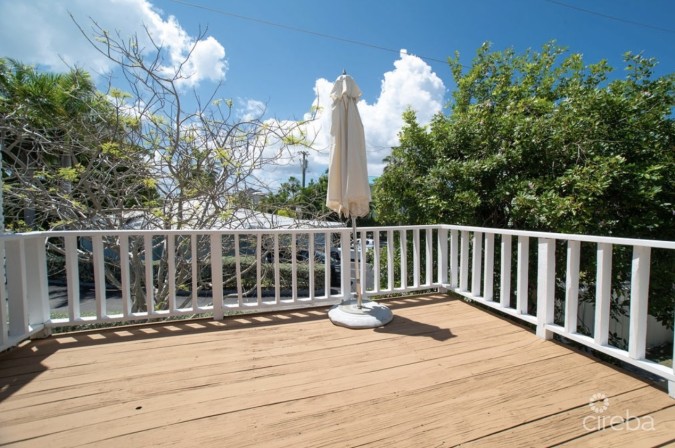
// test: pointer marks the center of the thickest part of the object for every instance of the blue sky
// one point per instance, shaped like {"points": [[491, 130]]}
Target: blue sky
{"points": [[281, 64], [286, 69]]}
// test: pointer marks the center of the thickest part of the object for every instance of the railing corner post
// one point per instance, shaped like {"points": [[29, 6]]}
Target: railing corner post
{"points": [[42, 334], [38, 287], [17, 295]]}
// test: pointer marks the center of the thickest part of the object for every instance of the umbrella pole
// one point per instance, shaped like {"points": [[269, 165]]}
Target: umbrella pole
{"points": [[356, 265]]}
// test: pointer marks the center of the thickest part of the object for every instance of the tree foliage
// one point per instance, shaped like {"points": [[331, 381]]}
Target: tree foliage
{"points": [[542, 141], [149, 155], [65, 161], [292, 200], [203, 155]]}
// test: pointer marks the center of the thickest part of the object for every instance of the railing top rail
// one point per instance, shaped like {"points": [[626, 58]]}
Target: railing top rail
{"points": [[528, 233], [569, 236], [406, 227], [104, 232], [138, 232]]}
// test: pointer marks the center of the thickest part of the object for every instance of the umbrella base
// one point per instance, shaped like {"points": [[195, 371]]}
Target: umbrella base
{"points": [[370, 315]]}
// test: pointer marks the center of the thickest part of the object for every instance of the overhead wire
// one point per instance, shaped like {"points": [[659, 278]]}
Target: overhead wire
{"points": [[303, 30], [392, 50], [607, 16]]}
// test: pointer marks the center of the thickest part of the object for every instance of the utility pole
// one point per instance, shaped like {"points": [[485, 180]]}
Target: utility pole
{"points": [[304, 166]]}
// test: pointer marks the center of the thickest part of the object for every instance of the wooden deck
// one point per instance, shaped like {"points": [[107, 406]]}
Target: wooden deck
{"points": [[443, 373]]}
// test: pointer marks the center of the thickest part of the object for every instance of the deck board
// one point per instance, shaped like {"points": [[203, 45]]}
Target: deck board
{"points": [[443, 373]]}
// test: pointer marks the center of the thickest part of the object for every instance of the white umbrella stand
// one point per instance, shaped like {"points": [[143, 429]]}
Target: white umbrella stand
{"points": [[355, 312], [349, 195]]}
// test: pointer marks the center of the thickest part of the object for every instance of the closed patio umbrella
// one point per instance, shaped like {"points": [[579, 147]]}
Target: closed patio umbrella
{"points": [[349, 195]]}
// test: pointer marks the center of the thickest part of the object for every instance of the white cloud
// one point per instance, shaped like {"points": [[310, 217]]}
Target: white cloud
{"points": [[56, 43], [315, 131], [411, 84], [251, 109]]}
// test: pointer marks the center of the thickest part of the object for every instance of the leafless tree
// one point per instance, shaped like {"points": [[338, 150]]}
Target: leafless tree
{"points": [[162, 157]]}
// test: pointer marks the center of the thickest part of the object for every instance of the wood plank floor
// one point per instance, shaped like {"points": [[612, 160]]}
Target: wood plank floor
{"points": [[443, 373]]}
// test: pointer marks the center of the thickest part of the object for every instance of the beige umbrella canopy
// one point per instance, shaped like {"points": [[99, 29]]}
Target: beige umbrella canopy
{"points": [[348, 188], [349, 194]]}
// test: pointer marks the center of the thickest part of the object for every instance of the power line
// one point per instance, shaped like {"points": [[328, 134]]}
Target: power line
{"points": [[303, 30], [607, 16], [392, 50]]}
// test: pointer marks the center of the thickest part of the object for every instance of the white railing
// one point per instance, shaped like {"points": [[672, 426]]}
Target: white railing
{"points": [[479, 245], [265, 266]]}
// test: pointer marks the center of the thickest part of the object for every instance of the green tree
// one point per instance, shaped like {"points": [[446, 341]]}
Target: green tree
{"points": [[64, 158], [542, 141], [307, 203], [398, 195], [292, 200]]}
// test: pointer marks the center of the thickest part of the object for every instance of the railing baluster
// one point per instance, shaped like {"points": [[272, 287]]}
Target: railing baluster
{"points": [[294, 267], [217, 275], [99, 276], [522, 278], [171, 266], [603, 293], [416, 258], [362, 265], [312, 285], [376, 261], [442, 254], [194, 253], [326, 265], [404, 259], [390, 260], [125, 277], [237, 267], [430, 258], [505, 269], [454, 248], [258, 268], [277, 274], [639, 295], [488, 271], [476, 263], [345, 271], [545, 287], [464, 262], [149, 280], [572, 286], [72, 277]]}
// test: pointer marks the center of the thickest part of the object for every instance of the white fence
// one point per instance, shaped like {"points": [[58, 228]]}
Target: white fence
{"points": [[222, 272]]}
